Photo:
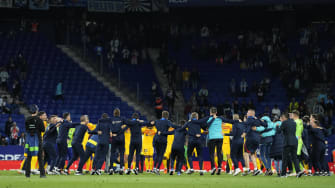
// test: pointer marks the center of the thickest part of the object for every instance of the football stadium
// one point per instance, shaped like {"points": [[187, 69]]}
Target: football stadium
{"points": [[167, 93]]}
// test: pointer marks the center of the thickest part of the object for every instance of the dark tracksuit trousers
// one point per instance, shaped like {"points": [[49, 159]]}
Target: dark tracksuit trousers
{"points": [[289, 156], [100, 155], [50, 154], [77, 151], [179, 153], [318, 152], [160, 148], [197, 144], [237, 152], [212, 144], [265, 147], [117, 145], [62, 153], [134, 146], [88, 153]]}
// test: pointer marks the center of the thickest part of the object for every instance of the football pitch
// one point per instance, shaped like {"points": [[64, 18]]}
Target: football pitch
{"points": [[14, 180]]}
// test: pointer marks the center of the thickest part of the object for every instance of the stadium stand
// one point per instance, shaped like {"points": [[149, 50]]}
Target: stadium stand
{"points": [[47, 67]]}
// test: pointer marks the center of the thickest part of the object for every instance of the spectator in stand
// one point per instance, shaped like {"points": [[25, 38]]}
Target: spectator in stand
{"points": [[34, 26], [154, 89], [188, 109], [22, 140], [16, 89], [233, 87], [186, 78], [4, 105], [195, 78], [134, 57], [114, 45], [243, 87], [267, 83], [8, 126], [158, 106], [3, 141], [194, 101], [23, 67], [276, 111], [260, 94], [110, 57], [59, 91], [227, 109], [203, 93], [14, 134], [294, 105], [204, 32], [170, 98], [4, 76], [125, 55]]}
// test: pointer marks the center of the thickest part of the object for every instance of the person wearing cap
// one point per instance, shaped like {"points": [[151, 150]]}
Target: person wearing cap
{"points": [[34, 127]]}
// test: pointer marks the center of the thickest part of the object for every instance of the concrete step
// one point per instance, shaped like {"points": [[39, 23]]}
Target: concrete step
{"points": [[163, 82]]}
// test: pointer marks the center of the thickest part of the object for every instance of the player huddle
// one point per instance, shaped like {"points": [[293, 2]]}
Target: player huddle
{"points": [[290, 142]]}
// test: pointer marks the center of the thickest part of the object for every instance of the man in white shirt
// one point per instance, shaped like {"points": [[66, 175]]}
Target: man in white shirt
{"points": [[4, 78], [276, 111], [243, 87]]}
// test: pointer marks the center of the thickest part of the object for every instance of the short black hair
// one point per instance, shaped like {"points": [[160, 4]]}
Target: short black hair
{"points": [[52, 116], [33, 109], [305, 119], [40, 113], [286, 115], [317, 122], [213, 110], [104, 116], [66, 114]]}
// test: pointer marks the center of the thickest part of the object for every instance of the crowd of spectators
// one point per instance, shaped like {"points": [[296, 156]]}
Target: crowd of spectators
{"points": [[298, 66], [12, 134], [11, 77]]}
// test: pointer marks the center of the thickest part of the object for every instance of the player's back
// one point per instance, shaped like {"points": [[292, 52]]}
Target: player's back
{"points": [[226, 129], [170, 138], [148, 136]]}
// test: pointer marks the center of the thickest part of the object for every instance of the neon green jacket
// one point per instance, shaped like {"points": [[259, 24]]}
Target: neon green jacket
{"points": [[71, 131], [298, 134]]}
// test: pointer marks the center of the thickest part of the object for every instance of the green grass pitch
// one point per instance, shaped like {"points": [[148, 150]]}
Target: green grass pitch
{"points": [[14, 180]]}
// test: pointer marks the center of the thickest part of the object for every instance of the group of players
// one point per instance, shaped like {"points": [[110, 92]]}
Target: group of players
{"points": [[290, 142]]}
